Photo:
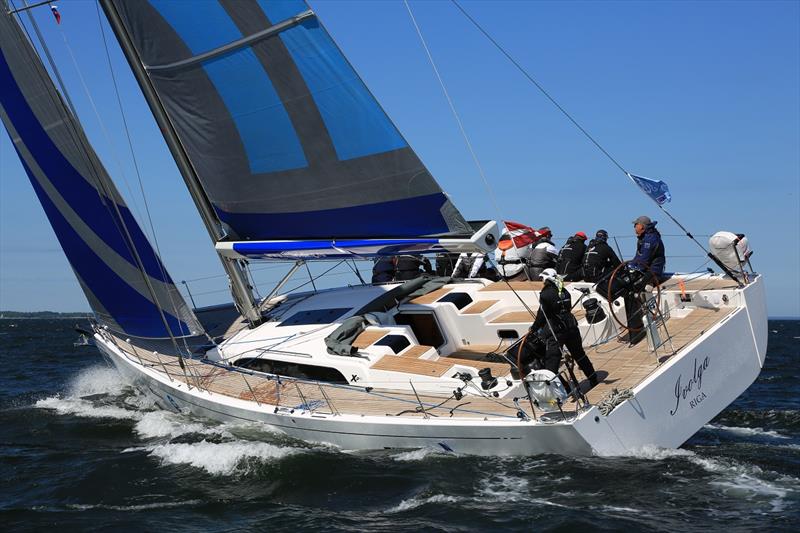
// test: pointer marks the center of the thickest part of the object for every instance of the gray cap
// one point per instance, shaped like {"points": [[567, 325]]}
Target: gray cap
{"points": [[643, 220]]}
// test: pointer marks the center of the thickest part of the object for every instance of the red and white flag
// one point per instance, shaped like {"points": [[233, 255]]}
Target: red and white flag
{"points": [[56, 14], [523, 235]]}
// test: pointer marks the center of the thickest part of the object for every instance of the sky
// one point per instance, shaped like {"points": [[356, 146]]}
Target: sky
{"points": [[703, 95]]}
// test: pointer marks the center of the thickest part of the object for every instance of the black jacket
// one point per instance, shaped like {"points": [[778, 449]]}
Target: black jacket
{"points": [[408, 267], [599, 261], [556, 307], [570, 259], [383, 270]]}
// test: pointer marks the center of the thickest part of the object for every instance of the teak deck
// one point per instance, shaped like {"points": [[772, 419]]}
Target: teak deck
{"points": [[619, 366]]}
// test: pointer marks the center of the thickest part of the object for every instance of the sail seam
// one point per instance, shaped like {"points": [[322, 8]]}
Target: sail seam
{"points": [[234, 45]]}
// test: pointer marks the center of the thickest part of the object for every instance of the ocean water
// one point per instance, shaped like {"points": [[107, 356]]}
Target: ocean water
{"points": [[83, 451]]}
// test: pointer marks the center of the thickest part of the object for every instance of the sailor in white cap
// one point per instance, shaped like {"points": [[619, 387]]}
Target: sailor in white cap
{"points": [[557, 326]]}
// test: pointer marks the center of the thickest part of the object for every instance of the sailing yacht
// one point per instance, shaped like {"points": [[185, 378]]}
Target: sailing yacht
{"points": [[289, 157]]}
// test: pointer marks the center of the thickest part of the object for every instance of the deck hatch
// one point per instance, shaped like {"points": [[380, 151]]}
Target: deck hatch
{"points": [[424, 326], [459, 299], [397, 343], [315, 316]]}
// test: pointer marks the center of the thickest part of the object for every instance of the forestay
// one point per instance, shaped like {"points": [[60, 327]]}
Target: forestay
{"points": [[124, 281], [285, 137]]}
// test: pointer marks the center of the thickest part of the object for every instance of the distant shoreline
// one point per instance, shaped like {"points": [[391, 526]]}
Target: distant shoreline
{"points": [[22, 315]]}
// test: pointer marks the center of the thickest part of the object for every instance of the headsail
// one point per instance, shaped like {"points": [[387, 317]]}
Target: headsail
{"points": [[285, 137], [127, 286]]}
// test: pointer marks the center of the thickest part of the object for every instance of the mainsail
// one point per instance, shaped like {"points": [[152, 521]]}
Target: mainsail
{"points": [[284, 136], [123, 278]]}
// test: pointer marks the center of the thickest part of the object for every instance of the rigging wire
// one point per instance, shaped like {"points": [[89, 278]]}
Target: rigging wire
{"points": [[539, 86], [100, 121], [81, 143], [173, 306], [455, 113], [577, 125]]}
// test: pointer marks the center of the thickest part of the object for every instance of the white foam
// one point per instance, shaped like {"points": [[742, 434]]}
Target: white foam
{"points": [[542, 501], [136, 507], [97, 380], [626, 510], [157, 424], [86, 409], [413, 503], [654, 453], [504, 487], [748, 481], [420, 454], [756, 431], [223, 458]]}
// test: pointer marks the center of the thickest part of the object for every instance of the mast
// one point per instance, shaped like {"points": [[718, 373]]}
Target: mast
{"points": [[240, 287]]}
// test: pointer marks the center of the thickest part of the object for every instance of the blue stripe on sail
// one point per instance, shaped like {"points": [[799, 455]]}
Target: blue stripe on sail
{"points": [[409, 217], [267, 133], [135, 314], [356, 123], [71, 185]]}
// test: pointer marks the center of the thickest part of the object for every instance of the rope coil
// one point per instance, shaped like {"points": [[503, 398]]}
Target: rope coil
{"points": [[614, 398]]}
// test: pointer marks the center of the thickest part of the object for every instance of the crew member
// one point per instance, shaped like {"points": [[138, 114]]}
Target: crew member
{"points": [[648, 262], [600, 259], [569, 264], [512, 260], [649, 247], [383, 269], [474, 265], [557, 326], [408, 267], [544, 253], [445, 263]]}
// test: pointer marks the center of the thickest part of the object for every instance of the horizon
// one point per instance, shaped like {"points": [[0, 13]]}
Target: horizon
{"points": [[705, 96]]}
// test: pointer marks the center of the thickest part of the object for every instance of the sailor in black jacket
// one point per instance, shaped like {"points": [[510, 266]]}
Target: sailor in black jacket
{"points": [[570, 259], [600, 259], [558, 327]]}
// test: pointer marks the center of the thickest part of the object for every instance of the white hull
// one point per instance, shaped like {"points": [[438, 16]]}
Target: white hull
{"points": [[712, 371]]}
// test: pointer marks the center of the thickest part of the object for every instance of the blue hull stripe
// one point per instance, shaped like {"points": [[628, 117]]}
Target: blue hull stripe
{"points": [[267, 133], [409, 217]]}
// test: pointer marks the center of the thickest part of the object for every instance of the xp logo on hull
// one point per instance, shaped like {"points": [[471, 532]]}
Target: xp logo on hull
{"points": [[172, 402], [692, 388]]}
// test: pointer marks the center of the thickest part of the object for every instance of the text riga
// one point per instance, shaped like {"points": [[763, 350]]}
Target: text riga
{"points": [[694, 384]]}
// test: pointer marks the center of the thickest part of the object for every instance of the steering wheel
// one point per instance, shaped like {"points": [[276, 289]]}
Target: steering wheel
{"points": [[610, 300]]}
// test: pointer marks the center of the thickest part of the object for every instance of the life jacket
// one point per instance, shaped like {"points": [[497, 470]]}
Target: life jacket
{"points": [[595, 261], [560, 307], [511, 260], [540, 257]]}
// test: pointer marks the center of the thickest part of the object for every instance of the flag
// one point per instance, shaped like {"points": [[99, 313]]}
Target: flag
{"points": [[56, 14], [655, 189], [523, 235]]}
